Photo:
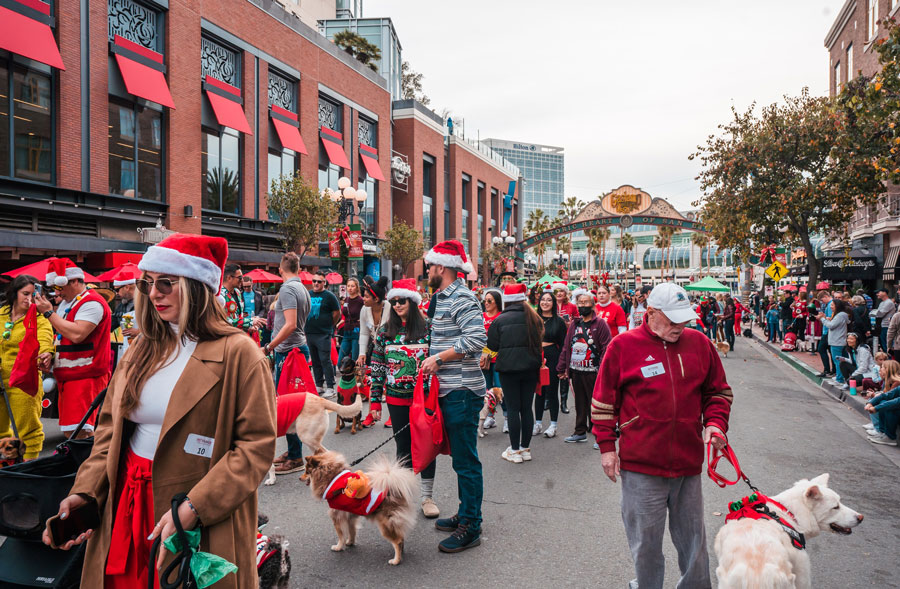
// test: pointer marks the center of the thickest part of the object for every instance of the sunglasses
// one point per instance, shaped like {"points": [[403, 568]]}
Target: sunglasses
{"points": [[399, 301], [7, 329], [318, 281], [163, 285]]}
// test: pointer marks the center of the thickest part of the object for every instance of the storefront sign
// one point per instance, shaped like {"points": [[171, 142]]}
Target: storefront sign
{"points": [[356, 243], [853, 268], [369, 246]]}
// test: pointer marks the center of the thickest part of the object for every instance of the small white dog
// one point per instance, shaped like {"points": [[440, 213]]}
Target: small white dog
{"points": [[758, 553]]}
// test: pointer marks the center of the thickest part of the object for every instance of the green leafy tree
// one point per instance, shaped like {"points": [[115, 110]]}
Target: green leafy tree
{"points": [[538, 222], [783, 175], [411, 84], [356, 45], [402, 244], [569, 209], [304, 215]]}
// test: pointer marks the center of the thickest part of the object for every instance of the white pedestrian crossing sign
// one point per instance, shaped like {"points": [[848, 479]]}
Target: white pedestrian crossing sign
{"points": [[777, 271]]}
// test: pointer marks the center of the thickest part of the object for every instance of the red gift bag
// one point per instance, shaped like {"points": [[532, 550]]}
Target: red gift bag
{"points": [[24, 373], [543, 377], [426, 425], [334, 354], [295, 375]]}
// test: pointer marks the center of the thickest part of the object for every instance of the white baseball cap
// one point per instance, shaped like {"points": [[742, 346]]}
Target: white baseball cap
{"points": [[672, 300]]}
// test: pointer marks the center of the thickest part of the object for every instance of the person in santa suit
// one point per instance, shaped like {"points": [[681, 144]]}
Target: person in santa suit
{"points": [[82, 325], [610, 311]]}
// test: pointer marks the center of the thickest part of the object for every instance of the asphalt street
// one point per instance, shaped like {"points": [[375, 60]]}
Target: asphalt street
{"points": [[556, 520]]}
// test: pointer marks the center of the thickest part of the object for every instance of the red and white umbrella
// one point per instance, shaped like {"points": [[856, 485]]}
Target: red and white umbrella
{"points": [[260, 275], [110, 275], [334, 278], [39, 270]]}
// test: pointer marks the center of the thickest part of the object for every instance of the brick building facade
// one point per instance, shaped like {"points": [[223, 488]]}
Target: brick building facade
{"points": [[850, 44]]}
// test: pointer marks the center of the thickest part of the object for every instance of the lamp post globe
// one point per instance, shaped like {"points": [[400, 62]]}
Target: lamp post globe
{"points": [[344, 182]]}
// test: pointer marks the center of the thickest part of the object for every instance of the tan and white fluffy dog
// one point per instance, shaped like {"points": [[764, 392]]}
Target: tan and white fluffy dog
{"points": [[396, 515], [758, 554], [312, 423]]}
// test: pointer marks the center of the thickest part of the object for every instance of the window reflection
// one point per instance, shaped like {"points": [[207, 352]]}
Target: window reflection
{"points": [[4, 120], [121, 150], [32, 125], [220, 165]]}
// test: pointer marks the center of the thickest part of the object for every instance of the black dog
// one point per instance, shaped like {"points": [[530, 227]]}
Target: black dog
{"points": [[274, 562]]}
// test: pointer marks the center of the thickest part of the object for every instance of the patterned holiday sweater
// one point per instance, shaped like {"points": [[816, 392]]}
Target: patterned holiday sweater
{"points": [[395, 365]]}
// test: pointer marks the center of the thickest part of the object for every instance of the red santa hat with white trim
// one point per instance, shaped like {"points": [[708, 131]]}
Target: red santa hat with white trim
{"points": [[404, 288], [125, 276], [515, 293], [61, 270], [199, 257], [449, 254], [560, 285]]}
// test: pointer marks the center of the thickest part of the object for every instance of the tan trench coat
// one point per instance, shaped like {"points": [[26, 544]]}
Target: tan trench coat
{"points": [[226, 393]]}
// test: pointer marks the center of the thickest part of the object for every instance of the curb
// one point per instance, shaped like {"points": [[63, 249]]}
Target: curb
{"points": [[853, 401]]}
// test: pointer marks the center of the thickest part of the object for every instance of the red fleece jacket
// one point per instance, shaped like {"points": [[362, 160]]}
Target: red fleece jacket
{"points": [[660, 395]]}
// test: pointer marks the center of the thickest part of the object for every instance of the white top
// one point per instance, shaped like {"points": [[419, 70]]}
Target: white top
{"points": [[91, 311], [367, 327], [155, 394]]}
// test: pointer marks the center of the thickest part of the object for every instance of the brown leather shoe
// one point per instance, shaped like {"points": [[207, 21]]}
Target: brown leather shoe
{"points": [[280, 459], [289, 466]]}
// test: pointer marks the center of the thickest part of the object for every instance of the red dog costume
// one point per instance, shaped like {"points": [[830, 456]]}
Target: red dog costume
{"points": [[337, 497], [287, 409]]}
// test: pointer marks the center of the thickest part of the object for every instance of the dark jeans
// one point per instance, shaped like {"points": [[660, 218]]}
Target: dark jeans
{"points": [[887, 422], [295, 447], [349, 345], [320, 349], [825, 354], [399, 419], [729, 332], [583, 389], [550, 395], [460, 409], [882, 338], [847, 367], [518, 391], [711, 328]]}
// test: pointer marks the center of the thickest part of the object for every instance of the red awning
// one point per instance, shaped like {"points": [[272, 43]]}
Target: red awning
{"points": [[25, 30], [334, 147], [143, 71], [226, 103], [370, 161], [287, 125]]}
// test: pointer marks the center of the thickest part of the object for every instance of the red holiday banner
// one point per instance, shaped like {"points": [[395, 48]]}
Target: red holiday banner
{"points": [[355, 244]]}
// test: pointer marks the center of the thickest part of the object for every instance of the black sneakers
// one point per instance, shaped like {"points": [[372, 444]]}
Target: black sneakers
{"points": [[462, 538], [447, 524]]}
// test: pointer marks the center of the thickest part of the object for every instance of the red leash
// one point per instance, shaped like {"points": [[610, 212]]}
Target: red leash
{"points": [[713, 455]]}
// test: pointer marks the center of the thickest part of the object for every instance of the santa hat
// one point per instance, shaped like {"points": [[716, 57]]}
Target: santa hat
{"points": [[560, 285], [199, 257], [404, 288], [514, 293], [61, 270], [582, 291], [449, 254], [125, 276]]}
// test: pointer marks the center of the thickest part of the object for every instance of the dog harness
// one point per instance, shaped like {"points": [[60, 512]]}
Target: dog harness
{"points": [[338, 499], [262, 555], [287, 409], [755, 507]]}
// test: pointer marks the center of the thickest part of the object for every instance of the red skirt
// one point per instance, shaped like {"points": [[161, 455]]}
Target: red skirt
{"points": [[129, 549], [75, 397]]}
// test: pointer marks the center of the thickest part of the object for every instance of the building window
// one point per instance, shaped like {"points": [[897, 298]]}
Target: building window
{"points": [[135, 151], [477, 250], [367, 132], [495, 206], [466, 187], [368, 215], [447, 233], [330, 115], [465, 230], [428, 190], [872, 20], [220, 165], [837, 78], [480, 204], [135, 22], [282, 162], [282, 92], [219, 62], [28, 153], [850, 71]]}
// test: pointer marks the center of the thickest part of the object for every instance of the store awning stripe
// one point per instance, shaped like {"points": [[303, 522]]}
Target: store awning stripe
{"points": [[289, 134], [143, 72], [25, 30], [226, 104], [890, 262], [334, 147], [369, 158]]}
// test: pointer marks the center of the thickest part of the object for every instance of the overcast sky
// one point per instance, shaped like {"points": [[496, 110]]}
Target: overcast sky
{"points": [[629, 89]]}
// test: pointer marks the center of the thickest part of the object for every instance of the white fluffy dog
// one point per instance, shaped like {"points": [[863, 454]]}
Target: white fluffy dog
{"points": [[758, 554]]}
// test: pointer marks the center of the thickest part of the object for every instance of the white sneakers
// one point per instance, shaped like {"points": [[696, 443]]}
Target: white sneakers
{"points": [[880, 438], [513, 455], [538, 428], [525, 453], [551, 431], [329, 393], [489, 422], [505, 426], [869, 427]]}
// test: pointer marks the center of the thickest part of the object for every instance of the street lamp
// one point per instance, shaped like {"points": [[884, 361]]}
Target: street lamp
{"points": [[634, 271], [346, 196]]}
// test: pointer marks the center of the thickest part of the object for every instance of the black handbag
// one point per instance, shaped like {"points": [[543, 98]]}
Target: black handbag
{"points": [[30, 492]]}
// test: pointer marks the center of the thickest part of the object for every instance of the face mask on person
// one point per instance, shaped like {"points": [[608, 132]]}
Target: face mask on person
{"points": [[585, 311]]}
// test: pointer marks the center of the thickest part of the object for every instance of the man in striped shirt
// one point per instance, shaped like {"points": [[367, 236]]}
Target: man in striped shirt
{"points": [[457, 339]]}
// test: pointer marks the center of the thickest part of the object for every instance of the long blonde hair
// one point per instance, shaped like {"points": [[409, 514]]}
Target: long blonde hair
{"points": [[200, 318], [891, 370]]}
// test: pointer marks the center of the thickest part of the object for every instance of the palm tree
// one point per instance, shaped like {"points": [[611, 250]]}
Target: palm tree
{"points": [[701, 240], [671, 262], [570, 208], [538, 222], [627, 243], [594, 247], [599, 236], [659, 242], [665, 234], [564, 244]]}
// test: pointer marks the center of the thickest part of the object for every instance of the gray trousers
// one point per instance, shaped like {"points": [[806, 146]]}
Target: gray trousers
{"points": [[320, 351], [645, 501]]}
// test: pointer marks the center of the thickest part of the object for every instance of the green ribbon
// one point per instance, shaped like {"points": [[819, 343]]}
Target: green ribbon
{"points": [[207, 568]]}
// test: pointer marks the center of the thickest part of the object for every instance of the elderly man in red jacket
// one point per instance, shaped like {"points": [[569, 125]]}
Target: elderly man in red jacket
{"points": [[662, 392]]}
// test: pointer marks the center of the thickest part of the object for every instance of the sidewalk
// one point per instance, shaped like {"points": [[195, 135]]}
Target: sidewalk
{"points": [[810, 365]]}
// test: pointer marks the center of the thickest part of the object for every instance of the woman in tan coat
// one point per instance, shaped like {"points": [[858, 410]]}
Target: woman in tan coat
{"points": [[190, 409]]}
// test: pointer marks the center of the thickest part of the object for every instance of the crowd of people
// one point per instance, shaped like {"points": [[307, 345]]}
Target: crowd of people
{"points": [[190, 406]]}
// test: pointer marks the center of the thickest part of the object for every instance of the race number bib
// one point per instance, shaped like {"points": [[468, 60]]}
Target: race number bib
{"points": [[199, 445], [653, 370]]}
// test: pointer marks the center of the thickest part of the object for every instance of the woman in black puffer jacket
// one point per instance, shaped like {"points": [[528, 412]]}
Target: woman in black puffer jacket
{"points": [[515, 338]]}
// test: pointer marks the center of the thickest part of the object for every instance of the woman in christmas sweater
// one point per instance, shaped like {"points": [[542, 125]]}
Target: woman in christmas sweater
{"points": [[610, 311], [400, 347]]}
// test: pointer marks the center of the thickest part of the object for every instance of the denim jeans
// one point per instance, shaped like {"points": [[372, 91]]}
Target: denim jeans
{"points": [[349, 345], [886, 422], [323, 369], [773, 331], [295, 447], [836, 352], [882, 339], [460, 409], [729, 332]]}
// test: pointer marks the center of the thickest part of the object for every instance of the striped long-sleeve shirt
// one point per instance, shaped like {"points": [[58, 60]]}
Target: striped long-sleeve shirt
{"points": [[456, 322]]}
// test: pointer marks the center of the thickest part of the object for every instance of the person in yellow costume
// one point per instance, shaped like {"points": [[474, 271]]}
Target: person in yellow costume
{"points": [[26, 409]]}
